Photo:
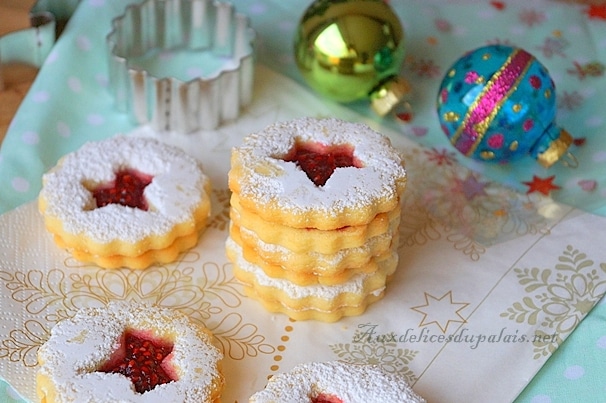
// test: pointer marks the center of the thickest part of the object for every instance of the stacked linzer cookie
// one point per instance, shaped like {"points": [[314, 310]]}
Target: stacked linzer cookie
{"points": [[315, 211]]}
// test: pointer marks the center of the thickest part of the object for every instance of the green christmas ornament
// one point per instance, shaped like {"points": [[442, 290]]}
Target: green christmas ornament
{"points": [[350, 50]]}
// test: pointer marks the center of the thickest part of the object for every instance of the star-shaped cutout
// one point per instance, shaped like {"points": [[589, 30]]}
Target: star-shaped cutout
{"points": [[319, 161], [541, 185], [441, 311], [144, 360], [127, 189]]}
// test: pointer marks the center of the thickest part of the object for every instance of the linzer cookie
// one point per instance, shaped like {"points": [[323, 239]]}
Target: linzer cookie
{"points": [[337, 382], [307, 240], [142, 261], [319, 173], [129, 353], [315, 214], [318, 268], [327, 303], [126, 201], [326, 263]]}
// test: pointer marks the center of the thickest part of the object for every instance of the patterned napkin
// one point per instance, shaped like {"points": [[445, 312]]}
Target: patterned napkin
{"points": [[568, 39], [455, 314]]}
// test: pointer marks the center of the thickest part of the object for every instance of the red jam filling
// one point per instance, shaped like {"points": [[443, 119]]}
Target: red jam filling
{"points": [[324, 398], [319, 161], [141, 358], [126, 189]]}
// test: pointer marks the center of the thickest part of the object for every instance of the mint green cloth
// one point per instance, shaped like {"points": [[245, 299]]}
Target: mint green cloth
{"points": [[70, 103], [8, 394]]}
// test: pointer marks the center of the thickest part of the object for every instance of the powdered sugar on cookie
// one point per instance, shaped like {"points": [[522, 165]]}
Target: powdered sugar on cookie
{"points": [[266, 183], [322, 263], [350, 383], [77, 347], [176, 190], [359, 285]]}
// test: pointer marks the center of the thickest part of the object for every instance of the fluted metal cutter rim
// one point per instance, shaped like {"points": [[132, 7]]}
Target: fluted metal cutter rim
{"points": [[168, 103]]}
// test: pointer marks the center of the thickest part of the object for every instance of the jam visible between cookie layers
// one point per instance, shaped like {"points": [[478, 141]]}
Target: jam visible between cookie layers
{"points": [[319, 161], [126, 189], [325, 398], [142, 359]]}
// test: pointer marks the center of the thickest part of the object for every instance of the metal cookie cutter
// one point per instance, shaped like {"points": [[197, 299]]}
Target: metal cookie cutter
{"points": [[211, 31], [33, 44]]}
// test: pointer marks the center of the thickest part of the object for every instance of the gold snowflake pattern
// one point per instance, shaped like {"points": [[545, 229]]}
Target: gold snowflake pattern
{"points": [[557, 299], [206, 294], [467, 246], [22, 344], [388, 355]]}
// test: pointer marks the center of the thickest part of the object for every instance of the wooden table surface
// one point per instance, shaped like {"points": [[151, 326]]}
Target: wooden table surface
{"points": [[16, 77]]}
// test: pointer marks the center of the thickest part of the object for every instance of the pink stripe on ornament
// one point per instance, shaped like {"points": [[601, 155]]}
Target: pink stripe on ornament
{"points": [[487, 105]]}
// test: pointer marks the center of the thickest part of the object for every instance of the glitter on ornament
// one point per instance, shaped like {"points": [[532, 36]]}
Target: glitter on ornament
{"points": [[498, 104]]}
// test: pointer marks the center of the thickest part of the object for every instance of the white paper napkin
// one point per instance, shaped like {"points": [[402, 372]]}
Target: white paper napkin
{"points": [[489, 283]]}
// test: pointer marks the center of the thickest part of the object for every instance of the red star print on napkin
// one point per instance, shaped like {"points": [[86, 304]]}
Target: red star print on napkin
{"points": [[541, 185], [499, 5], [597, 11]]}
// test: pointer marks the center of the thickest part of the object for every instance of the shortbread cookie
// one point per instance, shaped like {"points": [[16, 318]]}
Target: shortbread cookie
{"points": [[312, 313], [103, 355], [317, 173], [304, 240], [313, 274], [124, 196], [337, 382], [321, 302], [146, 259], [323, 263]]}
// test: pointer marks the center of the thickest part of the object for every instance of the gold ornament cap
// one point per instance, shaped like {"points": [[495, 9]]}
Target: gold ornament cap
{"points": [[390, 94], [556, 150]]}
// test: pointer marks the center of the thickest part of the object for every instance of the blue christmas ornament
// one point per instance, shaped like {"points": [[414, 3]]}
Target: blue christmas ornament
{"points": [[498, 104]]}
